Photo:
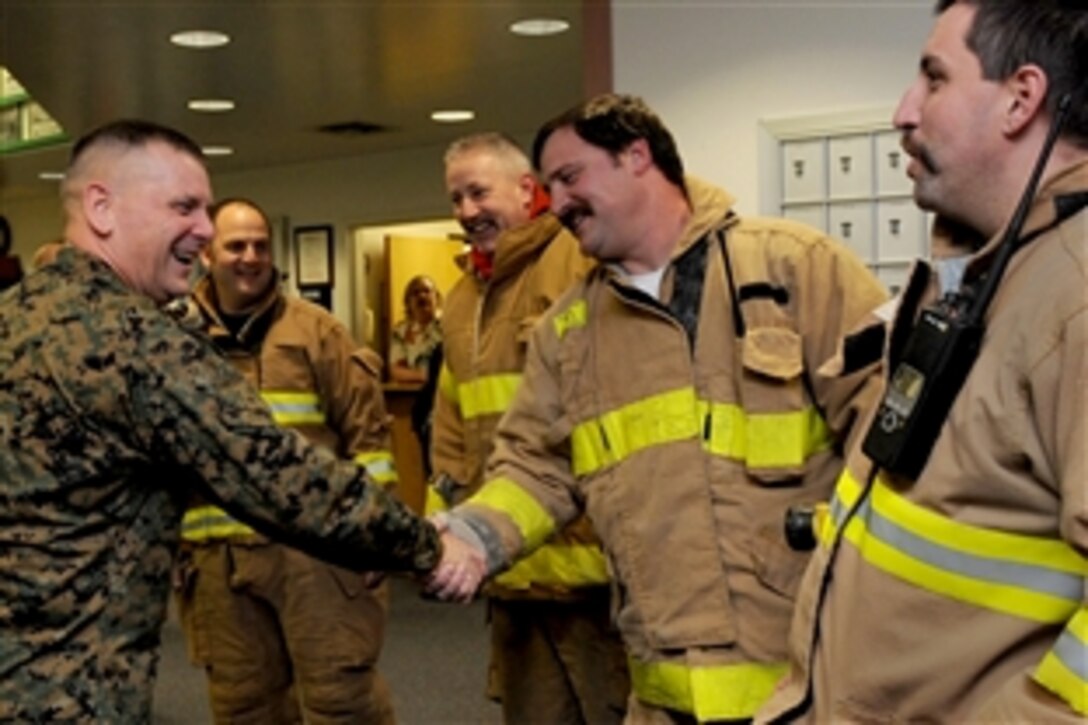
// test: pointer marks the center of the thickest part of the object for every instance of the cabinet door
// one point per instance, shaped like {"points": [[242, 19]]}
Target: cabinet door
{"points": [[810, 214], [852, 224], [850, 167], [894, 276], [898, 230], [891, 166], [803, 171]]}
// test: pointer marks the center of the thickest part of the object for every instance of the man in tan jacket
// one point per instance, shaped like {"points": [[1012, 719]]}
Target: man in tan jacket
{"points": [[957, 593], [673, 395], [283, 635], [555, 656]]}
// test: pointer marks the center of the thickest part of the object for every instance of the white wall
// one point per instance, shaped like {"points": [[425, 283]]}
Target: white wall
{"points": [[713, 69]]}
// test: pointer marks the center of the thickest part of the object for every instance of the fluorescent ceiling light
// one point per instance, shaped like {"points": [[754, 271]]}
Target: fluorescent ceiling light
{"points": [[51, 175], [217, 150], [452, 116], [200, 39], [539, 26], [211, 105]]}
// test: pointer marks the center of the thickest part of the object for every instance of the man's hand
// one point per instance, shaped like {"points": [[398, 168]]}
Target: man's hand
{"points": [[461, 570]]}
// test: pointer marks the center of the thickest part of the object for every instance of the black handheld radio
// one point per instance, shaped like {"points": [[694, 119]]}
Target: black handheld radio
{"points": [[941, 350]]}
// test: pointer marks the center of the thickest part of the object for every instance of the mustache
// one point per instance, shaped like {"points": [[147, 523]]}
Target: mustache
{"points": [[573, 213], [920, 152]]}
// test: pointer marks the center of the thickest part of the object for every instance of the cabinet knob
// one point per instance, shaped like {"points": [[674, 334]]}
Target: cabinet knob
{"points": [[799, 168], [893, 226], [893, 159], [846, 228], [845, 163]]}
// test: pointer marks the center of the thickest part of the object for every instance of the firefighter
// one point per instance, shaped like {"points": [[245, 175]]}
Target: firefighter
{"points": [[274, 628], [674, 396], [958, 594], [555, 656]]}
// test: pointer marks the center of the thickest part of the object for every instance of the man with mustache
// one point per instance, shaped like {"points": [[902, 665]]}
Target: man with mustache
{"points": [[674, 396], [112, 415], [282, 636], [951, 582], [555, 658]]}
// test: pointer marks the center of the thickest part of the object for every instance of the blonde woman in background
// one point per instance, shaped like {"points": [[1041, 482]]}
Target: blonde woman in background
{"points": [[415, 338]]}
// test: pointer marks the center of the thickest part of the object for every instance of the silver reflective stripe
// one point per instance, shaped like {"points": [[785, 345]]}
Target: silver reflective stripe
{"points": [[1003, 571], [1073, 653]]}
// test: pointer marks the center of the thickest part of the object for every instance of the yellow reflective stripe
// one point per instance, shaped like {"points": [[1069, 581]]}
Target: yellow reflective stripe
{"points": [[379, 466], [531, 519], [760, 440], [447, 384], [487, 395], [656, 420], [433, 502], [562, 565], [764, 440], [570, 318], [712, 692], [294, 408], [1026, 576], [1064, 669], [211, 522]]}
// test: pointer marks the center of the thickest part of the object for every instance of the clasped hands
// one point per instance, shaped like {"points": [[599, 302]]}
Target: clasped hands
{"points": [[461, 570]]}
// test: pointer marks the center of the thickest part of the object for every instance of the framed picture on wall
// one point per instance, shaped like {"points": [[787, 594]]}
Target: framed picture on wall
{"points": [[313, 254]]}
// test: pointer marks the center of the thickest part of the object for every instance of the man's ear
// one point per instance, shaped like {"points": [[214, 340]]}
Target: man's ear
{"points": [[98, 204], [526, 189], [206, 255], [1027, 89], [638, 157]]}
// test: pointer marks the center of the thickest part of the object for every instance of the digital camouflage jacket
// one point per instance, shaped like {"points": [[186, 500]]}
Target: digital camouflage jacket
{"points": [[111, 415]]}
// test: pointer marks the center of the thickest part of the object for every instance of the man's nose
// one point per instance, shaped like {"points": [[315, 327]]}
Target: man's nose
{"points": [[907, 112]]}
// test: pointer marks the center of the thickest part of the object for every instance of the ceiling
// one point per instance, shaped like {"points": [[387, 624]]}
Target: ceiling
{"points": [[293, 66]]}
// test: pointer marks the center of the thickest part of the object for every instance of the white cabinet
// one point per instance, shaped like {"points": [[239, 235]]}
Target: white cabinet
{"points": [[850, 167], [891, 166], [847, 175], [803, 171], [810, 214], [852, 224], [894, 276], [899, 228]]}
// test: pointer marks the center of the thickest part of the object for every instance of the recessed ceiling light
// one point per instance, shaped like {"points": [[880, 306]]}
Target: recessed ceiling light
{"points": [[211, 105], [539, 26], [51, 175], [452, 116], [200, 39], [217, 150]]}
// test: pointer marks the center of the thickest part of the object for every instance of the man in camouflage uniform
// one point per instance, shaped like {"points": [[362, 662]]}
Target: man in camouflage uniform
{"points": [[111, 415], [261, 616]]}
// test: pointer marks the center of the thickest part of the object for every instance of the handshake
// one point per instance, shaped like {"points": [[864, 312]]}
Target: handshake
{"points": [[463, 566]]}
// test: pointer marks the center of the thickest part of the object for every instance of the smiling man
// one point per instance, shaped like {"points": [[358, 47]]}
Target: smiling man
{"points": [[278, 631], [112, 415], [673, 396], [555, 656]]}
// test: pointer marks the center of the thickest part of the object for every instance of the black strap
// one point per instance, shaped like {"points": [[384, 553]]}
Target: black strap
{"points": [[738, 319]]}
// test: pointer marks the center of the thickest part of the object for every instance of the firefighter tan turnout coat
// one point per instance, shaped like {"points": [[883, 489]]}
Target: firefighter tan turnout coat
{"points": [[685, 428], [964, 592], [485, 330], [288, 347]]}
